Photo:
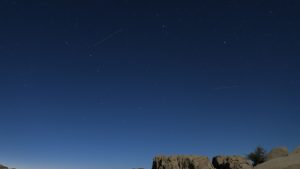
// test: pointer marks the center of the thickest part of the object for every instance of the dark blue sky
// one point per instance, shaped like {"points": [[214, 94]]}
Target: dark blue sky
{"points": [[110, 84]]}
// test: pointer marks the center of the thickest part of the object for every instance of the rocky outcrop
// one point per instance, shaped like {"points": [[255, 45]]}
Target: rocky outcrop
{"points": [[288, 162], [3, 167], [296, 151], [181, 162], [231, 162], [277, 152]]}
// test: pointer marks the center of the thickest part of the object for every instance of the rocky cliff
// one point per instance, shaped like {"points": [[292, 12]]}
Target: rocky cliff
{"points": [[181, 162], [231, 162]]}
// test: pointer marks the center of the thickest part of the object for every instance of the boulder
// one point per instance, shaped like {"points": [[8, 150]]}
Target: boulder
{"points": [[288, 162], [3, 167], [231, 162], [277, 152], [181, 162], [296, 151]]}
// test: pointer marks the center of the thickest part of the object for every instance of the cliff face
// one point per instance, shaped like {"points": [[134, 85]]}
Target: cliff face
{"points": [[181, 162], [231, 162]]}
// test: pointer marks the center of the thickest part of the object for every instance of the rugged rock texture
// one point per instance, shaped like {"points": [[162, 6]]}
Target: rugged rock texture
{"points": [[231, 162], [277, 152], [3, 167], [288, 162], [181, 162], [296, 151]]}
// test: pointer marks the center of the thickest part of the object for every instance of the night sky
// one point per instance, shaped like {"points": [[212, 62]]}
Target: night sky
{"points": [[110, 84]]}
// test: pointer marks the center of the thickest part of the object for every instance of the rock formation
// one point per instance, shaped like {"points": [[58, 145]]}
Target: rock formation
{"points": [[288, 162], [181, 162], [231, 162], [3, 167], [296, 151], [277, 152]]}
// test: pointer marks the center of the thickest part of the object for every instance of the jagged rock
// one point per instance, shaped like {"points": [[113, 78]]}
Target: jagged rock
{"points": [[277, 152], [3, 167], [181, 162], [231, 162], [288, 162], [296, 151]]}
